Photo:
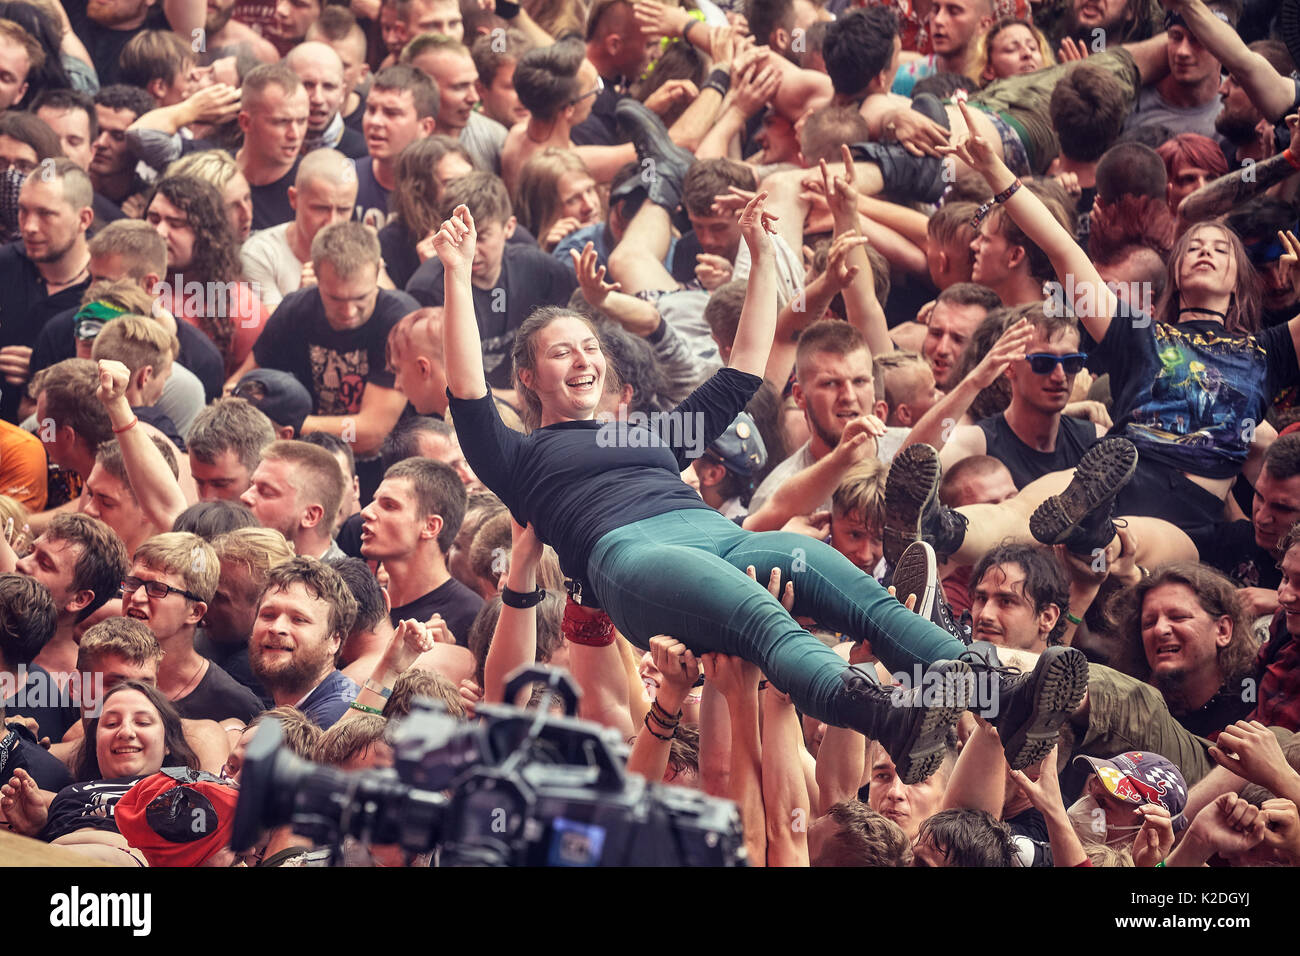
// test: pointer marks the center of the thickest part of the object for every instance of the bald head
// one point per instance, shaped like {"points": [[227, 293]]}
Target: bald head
{"points": [[327, 166], [321, 71]]}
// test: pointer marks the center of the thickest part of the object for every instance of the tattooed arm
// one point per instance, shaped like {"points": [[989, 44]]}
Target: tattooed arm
{"points": [[1226, 192]]}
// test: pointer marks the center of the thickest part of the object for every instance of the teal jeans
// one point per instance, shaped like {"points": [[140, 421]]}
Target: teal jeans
{"points": [[683, 574]]}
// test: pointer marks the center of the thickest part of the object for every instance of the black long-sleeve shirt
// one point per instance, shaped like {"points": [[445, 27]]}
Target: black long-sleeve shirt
{"points": [[576, 481]]}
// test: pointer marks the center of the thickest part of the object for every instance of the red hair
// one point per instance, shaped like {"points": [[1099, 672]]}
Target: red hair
{"points": [[1192, 149]]}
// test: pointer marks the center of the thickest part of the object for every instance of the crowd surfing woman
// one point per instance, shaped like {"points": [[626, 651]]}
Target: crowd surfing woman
{"points": [[1190, 383], [137, 733], [639, 543]]}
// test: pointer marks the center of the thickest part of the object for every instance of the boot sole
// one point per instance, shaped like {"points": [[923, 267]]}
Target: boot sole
{"points": [[1059, 687], [927, 745], [917, 573], [1102, 471], [910, 488]]}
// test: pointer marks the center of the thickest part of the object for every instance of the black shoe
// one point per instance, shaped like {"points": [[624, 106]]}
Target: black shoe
{"points": [[907, 178], [917, 574], [1080, 516], [912, 724], [1031, 708], [912, 509], [668, 161]]}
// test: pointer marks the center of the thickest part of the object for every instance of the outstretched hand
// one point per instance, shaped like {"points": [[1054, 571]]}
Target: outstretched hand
{"points": [[754, 223], [456, 241], [975, 151], [1009, 347], [591, 276]]}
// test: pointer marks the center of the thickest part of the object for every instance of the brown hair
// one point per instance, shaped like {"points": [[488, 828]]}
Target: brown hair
{"points": [[415, 199], [537, 194], [70, 389], [231, 424], [136, 342], [142, 249], [349, 738], [417, 682], [482, 193], [863, 838], [186, 555], [124, 636], [153, 55], [35, 52], [316, 475], [722, 311], [299, 732], [861, 493], [708, 178], [827, 128], [1088, 110]]}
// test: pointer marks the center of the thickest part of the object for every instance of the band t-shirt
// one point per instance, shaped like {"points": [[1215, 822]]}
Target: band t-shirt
{"points": [[1187, 395], [87, 805], [457, 604], [334, 366]]}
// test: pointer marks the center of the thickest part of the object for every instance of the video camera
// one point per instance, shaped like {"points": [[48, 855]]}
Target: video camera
{"points": [[515, 788]]}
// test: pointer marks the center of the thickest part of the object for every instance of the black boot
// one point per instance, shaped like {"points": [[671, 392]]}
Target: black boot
{"points": [[663, 163], [917, 574], [1080, 516], [1030, 709], [912, 509], [912, 724]]}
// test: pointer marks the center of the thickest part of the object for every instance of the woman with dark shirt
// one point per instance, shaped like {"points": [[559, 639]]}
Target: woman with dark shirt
{"points": [[636, 541], [137, 733]]}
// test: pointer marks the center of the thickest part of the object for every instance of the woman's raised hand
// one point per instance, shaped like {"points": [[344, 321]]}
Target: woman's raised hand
{"points": [[754, 222], [455, 242]]}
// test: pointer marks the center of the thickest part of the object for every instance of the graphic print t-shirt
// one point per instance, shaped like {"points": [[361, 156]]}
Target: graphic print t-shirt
{"points": [[1189, 395], [334, 366]]}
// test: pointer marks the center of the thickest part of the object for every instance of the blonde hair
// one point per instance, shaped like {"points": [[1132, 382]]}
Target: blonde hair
{"points": [[185, 554], [980, 60], [11, 509], [136, 342], [214, 166], [257, 549], [862, 493], [537, 194]]}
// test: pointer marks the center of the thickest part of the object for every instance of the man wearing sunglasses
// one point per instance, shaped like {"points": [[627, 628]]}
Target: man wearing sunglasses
{"points": [[172, 580], [1032, 437]]}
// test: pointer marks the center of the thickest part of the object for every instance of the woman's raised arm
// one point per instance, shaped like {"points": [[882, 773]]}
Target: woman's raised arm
{"points": [[1042, 228], [462, 348]]}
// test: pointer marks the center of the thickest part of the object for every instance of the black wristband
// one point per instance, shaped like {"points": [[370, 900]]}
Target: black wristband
{"points": [[719, 80], [522, 600]]}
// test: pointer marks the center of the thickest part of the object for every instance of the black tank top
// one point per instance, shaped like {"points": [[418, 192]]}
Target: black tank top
{"points": [[1025, 464]]}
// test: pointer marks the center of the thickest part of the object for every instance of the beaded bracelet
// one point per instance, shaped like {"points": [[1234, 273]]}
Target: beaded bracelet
{"points": [[652, 731]]}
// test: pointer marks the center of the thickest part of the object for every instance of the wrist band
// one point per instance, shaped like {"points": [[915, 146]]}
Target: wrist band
{"points": [[380, 689], [686, 31], [1072, 619], [652, 730], [1007, 193], [1290, 157], [720, 80], [662, 716], [366, 710], [588, 626], [522, 600], [127, 427], [1158, 865]]}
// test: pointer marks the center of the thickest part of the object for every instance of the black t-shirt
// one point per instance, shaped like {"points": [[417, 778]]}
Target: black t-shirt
{"points": [[219, 697], [1224, 708], [53, 708], [352, 144], [106, 211], [105, 45], [1029, 833], [20, 751], [372, 198], [334, 366], [601, 127], [271, 202], [401, 260], [576, 481], [457, 604], [1025, 463], [1236, 554], [55, 343], [25, 306], [83, 806], [353, 120], [150, 415], [233, 659], [529, 278]]}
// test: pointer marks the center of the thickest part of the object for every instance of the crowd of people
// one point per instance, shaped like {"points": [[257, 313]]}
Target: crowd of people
{"points": [[888, 412]]}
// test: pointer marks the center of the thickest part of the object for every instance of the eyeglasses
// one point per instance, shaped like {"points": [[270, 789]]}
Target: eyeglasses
{"points": [[600, 88], [1044, 363], [154, 589]]}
